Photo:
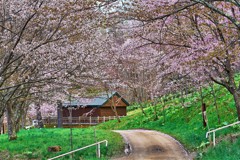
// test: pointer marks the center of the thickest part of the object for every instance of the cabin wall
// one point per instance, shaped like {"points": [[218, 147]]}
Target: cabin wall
{"points": [[103, 111], [80, 111], [107, 111]]}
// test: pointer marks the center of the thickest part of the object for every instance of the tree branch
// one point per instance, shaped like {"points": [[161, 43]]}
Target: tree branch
{"points": [[174, 12], [215, 9]]}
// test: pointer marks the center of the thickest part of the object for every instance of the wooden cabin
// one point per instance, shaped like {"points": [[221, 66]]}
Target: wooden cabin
{"points": [[88, 111], [99, 106]]}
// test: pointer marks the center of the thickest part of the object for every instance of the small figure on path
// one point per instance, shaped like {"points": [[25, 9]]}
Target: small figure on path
{"points": [[127, 149]]}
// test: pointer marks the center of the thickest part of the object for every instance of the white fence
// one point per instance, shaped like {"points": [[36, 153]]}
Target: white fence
{"points": [[215, 130], [98, 150], [79, 120]]}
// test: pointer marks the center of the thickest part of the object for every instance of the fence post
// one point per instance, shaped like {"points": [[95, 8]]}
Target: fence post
{"points": [[79, 119], [210, 138], [214, 141], [90, 118], [98, 119], [104, 119], [98, 150]]}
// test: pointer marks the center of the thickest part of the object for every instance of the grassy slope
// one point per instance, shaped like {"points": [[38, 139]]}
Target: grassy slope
{"points": [[33, 144], [185, 124]]}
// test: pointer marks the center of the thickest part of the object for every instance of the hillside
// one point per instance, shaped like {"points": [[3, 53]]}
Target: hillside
{"points": [[185, 123]]}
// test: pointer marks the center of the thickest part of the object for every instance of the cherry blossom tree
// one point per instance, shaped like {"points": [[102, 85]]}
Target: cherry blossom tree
{"points": [[149, 47], [202, 37], [38, 44]]}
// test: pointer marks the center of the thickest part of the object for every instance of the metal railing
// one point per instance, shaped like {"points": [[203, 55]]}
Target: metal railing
{"points": [[213, 131], [98, 150]]}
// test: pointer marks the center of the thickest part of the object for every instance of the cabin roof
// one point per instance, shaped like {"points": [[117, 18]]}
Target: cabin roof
{"points": [[97, 101]]}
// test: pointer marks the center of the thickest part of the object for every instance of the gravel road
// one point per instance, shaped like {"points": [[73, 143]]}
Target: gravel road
{"points": [[151, 145]]}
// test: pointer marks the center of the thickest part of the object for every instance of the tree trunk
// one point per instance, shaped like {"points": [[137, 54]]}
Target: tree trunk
{"points": [[19, 111], [12, 134], [2, 109], [164, 115], [201, 95], [215, 102], [204, 112], [1, 125], [23, 119], [117, 116], [182, 99], [139, 100], [59, 114], [141, 107], [39, 115], [155, 111], [236, 96], [114, 109], [154, 104]]}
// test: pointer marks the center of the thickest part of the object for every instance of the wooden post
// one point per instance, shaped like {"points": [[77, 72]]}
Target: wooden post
{"points": [[90, 120], [104, 119], [79, 119], [204, 115], [98, 119]]}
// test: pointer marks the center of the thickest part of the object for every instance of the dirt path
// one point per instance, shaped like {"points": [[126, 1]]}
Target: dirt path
{"points": [[152, 145]]}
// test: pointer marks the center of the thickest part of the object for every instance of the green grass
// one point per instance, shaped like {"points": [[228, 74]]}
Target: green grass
{"points": [[185, 124], [34, 143], [226, 150]]}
